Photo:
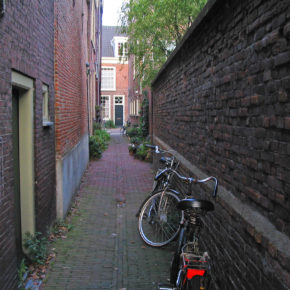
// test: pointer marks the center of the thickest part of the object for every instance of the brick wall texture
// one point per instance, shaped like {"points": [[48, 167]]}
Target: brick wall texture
{"points": [[26, 46], [71, 55], [121, 88], [223, 102]]}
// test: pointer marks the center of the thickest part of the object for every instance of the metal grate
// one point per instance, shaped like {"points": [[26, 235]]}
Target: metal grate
{"points": [[1, 165], [2, 7]]}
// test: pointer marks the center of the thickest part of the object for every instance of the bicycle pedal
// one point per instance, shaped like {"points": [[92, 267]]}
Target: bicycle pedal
{"points": [[166, 287]]}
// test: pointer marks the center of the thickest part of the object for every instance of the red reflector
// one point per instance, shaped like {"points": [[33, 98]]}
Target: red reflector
{"points": [[194, 272]]}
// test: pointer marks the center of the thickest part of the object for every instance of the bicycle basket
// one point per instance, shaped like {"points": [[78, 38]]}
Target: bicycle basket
{"points": [[195, 265]]}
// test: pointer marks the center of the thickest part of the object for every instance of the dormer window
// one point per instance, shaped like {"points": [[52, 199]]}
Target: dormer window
{"points": [[120, 46], [122, 49]]}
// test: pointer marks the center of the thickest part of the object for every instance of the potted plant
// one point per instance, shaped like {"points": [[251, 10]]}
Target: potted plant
{"points": [[132, 149]]}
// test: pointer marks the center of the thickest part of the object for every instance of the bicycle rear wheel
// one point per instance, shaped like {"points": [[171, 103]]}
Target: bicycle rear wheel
{"points": [[159, 219], [193, 284]]}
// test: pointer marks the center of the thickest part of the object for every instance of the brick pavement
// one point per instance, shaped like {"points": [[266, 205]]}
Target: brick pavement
{"points": [[104, 250]]}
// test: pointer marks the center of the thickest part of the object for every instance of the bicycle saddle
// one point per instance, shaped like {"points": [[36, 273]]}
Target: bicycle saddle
{"points": [[191, 203]]}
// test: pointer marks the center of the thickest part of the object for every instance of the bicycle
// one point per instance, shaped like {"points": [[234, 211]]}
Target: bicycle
{"points": [[190, 266], [159, 222], [123, 128]]}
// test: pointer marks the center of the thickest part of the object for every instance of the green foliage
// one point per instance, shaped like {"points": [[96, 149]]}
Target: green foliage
{"points": [[36, 245], [21, 273], [144, 119], [132, 148], [136, 140], [142, 151], [109, 124], [95, 148], [97, 126], [98, 143], [154, 29], [132, 132]]}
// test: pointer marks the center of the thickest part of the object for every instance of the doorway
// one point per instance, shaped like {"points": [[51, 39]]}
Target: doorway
{"points": [[23, 156], [119, 111]]}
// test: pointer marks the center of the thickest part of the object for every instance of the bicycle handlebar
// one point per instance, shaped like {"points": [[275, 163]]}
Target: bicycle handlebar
{"points": [[157, 149], [150, 146], [191, 179]]}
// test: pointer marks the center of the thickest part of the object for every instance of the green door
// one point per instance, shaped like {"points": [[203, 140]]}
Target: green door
{"points": [[119, 115]]}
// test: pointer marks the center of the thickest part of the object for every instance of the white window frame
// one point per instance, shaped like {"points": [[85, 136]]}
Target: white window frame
{"points": [[45, 107], [109, 105], [113, 88], [115, 43], [119, 96]]}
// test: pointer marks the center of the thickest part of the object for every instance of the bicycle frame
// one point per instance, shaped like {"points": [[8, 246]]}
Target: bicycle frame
{"points": [[162, 177]]}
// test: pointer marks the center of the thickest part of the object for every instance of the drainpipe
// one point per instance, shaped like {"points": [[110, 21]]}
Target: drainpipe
{"points": [[88, 106]]}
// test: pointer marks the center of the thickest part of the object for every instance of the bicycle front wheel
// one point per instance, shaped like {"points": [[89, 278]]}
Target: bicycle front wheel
{"points": [[159, 219]]}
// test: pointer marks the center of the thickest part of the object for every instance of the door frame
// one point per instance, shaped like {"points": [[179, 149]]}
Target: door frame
{"points": [[25, 85], [123, 104]]}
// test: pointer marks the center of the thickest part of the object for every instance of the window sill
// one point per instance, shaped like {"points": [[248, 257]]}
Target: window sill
{"points": [[47, 124]]}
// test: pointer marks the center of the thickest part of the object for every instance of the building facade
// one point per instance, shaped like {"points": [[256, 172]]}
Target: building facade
{"points": [[77, 33], [27, 128], [49, 64], [114, 89], [134, 94]]}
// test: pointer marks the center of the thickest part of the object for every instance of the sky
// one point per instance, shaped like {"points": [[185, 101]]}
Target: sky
{"points": [[111, 12]]}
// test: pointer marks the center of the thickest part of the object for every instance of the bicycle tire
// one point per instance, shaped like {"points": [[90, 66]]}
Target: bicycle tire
{"points": [[159, 220], [175, 262], [156, 188]]}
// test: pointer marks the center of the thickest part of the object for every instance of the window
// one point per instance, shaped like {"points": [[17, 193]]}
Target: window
{"points": [[137, 108], [93, 25], [45, 108], [118, 100], [105, 104], [108, 79], [134, 108], [120, 46], [122, 49]]}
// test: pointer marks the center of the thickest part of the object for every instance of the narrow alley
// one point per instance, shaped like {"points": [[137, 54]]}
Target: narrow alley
{"points": [[104, 250]]}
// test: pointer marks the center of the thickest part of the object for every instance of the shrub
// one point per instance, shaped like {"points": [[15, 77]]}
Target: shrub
{"points": [[97, 126], [22, 274], [36, 246], [109, 124], [132, 148], [132, 132], [98, 143], [136, 140], [144, 119], [142, 151]]}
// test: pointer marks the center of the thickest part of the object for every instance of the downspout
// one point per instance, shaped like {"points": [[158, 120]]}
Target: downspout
{"points": [[88, 72]]}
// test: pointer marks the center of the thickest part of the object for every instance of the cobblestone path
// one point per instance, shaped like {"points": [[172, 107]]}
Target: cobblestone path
{"points": [[104, 250]]}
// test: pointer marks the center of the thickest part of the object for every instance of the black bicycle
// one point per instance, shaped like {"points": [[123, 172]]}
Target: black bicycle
{"points": [[159, 222], [190, 265]]}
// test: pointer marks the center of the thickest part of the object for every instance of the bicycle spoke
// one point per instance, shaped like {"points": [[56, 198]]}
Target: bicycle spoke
{"points": [[163, 225]]}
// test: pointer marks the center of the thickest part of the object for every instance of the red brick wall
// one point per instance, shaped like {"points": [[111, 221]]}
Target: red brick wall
{"points": [[71, 55], [26, 46], [121, 88]]}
